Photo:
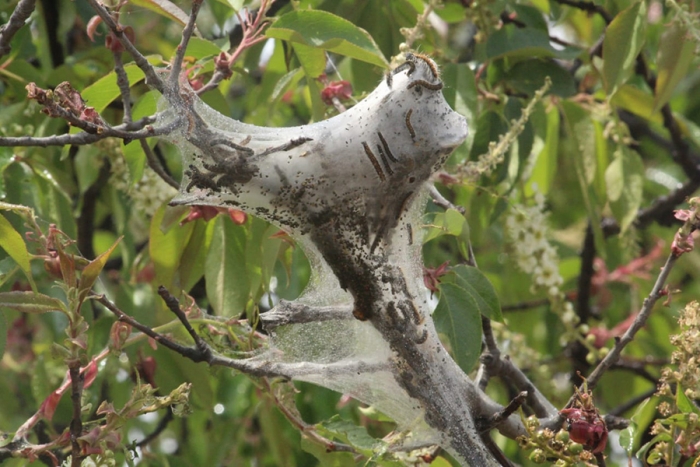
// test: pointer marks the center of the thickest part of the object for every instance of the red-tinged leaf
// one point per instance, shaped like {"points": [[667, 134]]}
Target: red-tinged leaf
{"points": [[48, 407], [92, 25], [89, 373], [93, 270], [29, 302]]}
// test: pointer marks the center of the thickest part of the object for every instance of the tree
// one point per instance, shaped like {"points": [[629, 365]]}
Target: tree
{"points": [[161, 246]]}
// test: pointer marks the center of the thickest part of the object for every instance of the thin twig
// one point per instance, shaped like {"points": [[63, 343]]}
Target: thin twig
{"points": [[152, 78], [19, 16], [621, 343], [441, 201], [81, 139], [76, 423], [156, 166], [182, 47], [590, 7], [504, 413], [124, 87]]}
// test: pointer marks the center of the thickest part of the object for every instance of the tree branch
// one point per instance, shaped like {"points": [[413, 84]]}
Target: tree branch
{"points": [[647, 307], [19, 16], [152, 78]]}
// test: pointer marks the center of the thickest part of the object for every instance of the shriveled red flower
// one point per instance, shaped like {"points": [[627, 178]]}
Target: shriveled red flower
{"points": [[584, 423]]}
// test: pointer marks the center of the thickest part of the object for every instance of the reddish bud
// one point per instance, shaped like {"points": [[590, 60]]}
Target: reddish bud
{"points": [[147, 370], [431, 276], [118, 335], [48, 407], [336, 89], [238, 217], [92, 27]]}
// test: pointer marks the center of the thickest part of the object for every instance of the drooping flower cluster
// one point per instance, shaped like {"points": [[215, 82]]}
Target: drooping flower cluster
{"points": [[528, 232], [148, 194]]}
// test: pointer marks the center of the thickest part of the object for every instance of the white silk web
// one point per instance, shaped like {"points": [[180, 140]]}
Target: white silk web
{"points": [[350, 191]]}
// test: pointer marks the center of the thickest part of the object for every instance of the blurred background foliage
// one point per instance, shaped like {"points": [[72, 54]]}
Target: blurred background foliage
{"points": [[598, 147]]}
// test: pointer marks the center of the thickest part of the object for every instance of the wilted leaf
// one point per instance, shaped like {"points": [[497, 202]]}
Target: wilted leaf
{"points": [[326, 31], [623, 41]]}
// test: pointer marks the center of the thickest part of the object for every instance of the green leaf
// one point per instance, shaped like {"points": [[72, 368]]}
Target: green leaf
{"points": [[92, 271], [511, 41], [201, 48], [684, 404], [102, 92], [29, 302], [228, 286], [529, 75], [3, 333], [164, 8], [624, 179], [457, 317], [673, 59], [545, 167], [11, 241], [166, 248], [623, 41], [479, 287], [582, 132], [349, 433], [326, 31], [637, 101], [326, 458], [460, 92], [133, 153]]}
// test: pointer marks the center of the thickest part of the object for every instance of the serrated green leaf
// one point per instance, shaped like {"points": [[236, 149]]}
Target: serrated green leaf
{"points": [[92, 271], [13, 243], [511, 41], [200, 48], [623, 41], [326, 31], [29, 302], [673, 59], [624, 179], [228, 286]]}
